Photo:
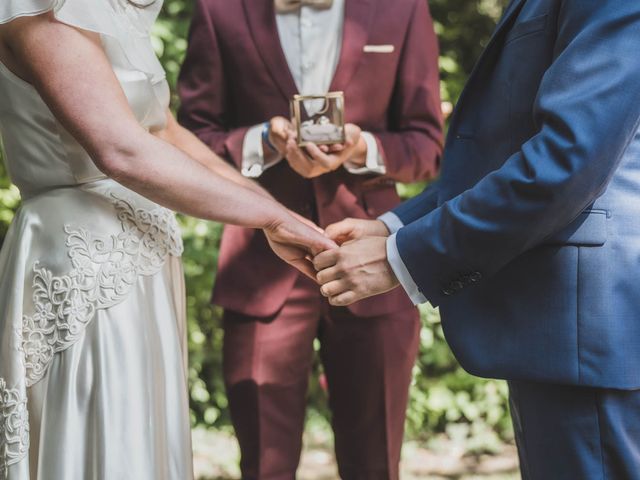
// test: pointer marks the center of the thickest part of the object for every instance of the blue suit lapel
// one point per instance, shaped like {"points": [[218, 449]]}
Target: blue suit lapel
{"points": [[511, 9], [510, 12]]}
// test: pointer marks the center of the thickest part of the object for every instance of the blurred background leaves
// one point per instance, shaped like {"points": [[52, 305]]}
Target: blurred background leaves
{"points": [[444, 399]]}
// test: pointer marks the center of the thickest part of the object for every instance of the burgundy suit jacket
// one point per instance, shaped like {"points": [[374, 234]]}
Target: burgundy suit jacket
{"points": [[235, 76]]}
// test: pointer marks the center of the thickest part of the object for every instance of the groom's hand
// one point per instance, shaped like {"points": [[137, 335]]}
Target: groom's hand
{"points": [[357, 270], [356, 228]]}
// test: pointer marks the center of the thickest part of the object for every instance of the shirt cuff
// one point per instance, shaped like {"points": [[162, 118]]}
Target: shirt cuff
{"points": [[253, 164], [374, 162], [401, 272], [392, 221]]}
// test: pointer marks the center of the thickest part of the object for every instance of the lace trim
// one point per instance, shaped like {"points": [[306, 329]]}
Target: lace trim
{"points": [[104, 271], [14, 427]]}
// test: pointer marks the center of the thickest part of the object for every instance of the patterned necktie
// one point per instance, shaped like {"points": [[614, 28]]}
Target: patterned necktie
{"points": [[287, 6]]}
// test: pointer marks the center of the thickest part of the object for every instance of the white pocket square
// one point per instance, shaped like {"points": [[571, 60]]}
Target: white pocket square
{"points": [[379, 48]]}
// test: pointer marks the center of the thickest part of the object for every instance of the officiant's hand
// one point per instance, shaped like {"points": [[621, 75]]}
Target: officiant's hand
{"points": [[357, 270], [280, 129], [353, 152], [296, 240], [314, 160], [355, 229]]}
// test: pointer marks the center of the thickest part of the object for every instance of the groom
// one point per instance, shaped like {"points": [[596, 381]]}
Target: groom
{"points": [[530, 241]]}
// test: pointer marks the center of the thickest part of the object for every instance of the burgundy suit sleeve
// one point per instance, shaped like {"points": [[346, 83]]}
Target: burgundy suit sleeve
{"points": [[202, 89], [412, 145]]}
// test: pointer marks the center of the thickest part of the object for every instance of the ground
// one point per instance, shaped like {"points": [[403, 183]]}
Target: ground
{"points": [[216, 457]]}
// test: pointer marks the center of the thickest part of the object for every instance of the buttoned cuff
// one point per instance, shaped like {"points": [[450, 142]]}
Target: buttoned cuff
{"points": [[253, 164], [374, 162], [392, 221], [401, 272]]}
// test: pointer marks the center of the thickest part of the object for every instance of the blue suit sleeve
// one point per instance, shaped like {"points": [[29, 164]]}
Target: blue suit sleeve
{"points": [[418, 206], [588, 112]]}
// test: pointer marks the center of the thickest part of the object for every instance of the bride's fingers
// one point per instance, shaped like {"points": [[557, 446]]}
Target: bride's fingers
{"points": [[309, 238], [306, 267], [321, 244], [306, 221]]}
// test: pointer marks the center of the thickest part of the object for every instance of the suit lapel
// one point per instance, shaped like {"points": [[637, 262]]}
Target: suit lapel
{"points": [[357, 21], [510, 12], [261, 19], [511, 9]]}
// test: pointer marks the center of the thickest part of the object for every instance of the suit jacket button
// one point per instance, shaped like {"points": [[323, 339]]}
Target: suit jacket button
{"points": [[475, 277], [453, 287]]}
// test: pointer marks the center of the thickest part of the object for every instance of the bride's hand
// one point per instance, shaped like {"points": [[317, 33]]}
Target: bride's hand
{"points": [[297, 241]]}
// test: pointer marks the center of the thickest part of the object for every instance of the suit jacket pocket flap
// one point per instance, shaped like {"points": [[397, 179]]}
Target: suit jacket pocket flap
{"points": [[527, 27], [589, 229]]}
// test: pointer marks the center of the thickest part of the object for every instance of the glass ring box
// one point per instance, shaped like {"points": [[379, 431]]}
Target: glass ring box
{"points": [[319, 119]]}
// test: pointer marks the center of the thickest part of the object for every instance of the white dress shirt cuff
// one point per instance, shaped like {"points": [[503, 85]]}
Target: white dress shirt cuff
{"points": [[253, 164], [401, 272], [392, 221], [374, 162]]}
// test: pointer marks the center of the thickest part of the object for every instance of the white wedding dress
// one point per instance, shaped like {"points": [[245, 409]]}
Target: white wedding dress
{"points": [[93, 375]]}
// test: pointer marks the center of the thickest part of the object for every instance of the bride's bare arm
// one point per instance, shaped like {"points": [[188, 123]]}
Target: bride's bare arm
{"points": [[186, 141], [72, 74], [70, 70]]}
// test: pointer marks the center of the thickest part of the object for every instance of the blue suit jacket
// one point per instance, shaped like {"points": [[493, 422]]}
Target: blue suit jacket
{"points": [[530, 240]]}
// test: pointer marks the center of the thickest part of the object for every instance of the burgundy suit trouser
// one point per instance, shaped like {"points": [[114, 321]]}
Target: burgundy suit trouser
{"points": [[367, 362]]}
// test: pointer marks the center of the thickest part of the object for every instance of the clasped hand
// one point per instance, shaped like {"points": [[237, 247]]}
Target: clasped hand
{"points": [[352, 263], [359, 268], [348, 259]]}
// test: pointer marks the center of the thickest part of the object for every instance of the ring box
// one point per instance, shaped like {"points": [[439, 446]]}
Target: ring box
{"points": [[319, 119]]}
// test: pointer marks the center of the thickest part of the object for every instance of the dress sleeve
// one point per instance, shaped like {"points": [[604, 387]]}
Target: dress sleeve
{"points": [[12, 9], [124, 29]]}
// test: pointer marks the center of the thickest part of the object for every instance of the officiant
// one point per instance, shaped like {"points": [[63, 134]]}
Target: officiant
{"points": [[245, 61]]}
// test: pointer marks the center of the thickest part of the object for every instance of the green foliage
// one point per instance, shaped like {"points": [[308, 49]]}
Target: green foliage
{"points": [[443, 397], [9, 201], [464, 28], [208, 400], [170, 38]]}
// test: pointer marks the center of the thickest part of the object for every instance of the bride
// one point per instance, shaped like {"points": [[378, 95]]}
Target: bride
{"points": [[93, 381]]}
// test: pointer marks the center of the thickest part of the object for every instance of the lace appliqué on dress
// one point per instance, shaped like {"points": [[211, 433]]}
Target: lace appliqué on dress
{"points": [[104, 271], [14, 427]]}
